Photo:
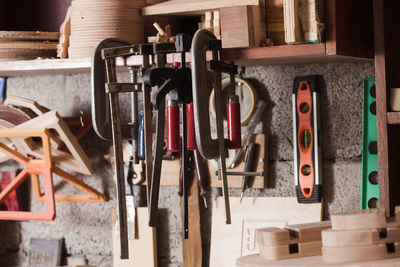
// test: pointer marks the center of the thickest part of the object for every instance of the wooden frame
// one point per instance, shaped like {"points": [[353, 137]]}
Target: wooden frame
{"points": [[33, 166], [75, 160], [387, 57]]}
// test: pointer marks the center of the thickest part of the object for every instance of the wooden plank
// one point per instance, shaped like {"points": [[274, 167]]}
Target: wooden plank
{"points": [[192, 6], [170, 170], [76, 159], [300, 240], [283, 252], [293, 31], [28, 45], [242, 26], [308, 232], [273, 52], [316, 261], [386, 63], [393, 117], [363, 237], [362, 219], [192, 251], [29, 35], [142, 248], [229, 242], [275, 25], [360, 253]]}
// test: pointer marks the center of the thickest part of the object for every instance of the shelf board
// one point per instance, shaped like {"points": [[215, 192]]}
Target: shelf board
{"points": [[393, 117], [284, 54], [44, 66]]}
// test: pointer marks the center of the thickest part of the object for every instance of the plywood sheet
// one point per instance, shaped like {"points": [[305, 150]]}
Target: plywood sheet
{"points": [[229, 242], [142, 248]]}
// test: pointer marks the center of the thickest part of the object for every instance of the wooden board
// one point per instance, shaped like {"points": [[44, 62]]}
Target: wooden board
{"points": [[360, 237], [291, 234], [360, 253], [192, 251], [293, 31], [316, 261], [170, 169], [29, 35], [142, 248], [243, 26], [76, 160], [362, 219], [291, 251], [192, 6], [300, 240], [229, 242], [308, 232], [261, 166], [23, 54], [28, 45], [275, 25]]}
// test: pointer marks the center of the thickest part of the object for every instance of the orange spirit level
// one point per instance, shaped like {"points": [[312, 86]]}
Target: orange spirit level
{"points": [[305, 139]]}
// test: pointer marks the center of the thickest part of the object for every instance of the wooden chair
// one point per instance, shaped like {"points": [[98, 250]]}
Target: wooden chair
{"points": [[32, 166]]}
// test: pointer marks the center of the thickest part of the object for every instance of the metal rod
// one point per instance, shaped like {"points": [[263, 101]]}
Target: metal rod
{"points": [[185, 162], [221, 138], [148, 131], [242, 173], [119, 166], [134, 116]]}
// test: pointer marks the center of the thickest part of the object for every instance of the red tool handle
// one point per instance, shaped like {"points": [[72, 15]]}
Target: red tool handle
{"points": [[191, 135], [234, 128], [173, 134]]}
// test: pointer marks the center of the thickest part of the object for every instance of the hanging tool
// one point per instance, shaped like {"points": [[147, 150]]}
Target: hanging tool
{"points": [[175, 81], [307, 168], [369, 185], [210, 148], [254, 120], [107, 124], [250, 160]]}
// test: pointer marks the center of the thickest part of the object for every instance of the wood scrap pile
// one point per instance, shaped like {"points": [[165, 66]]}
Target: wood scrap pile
{"points": [[210, 21], [17, 45], [163, 36]]}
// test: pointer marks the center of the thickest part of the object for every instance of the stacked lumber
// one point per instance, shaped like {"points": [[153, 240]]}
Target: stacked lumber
{"points": [[210, 21], [293, 31], [294, 241], [94, 20], [364, 235], [17, 45]]}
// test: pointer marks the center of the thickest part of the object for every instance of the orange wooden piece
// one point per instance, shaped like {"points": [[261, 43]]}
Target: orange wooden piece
{"points": [[35, 167], [306, 179]]}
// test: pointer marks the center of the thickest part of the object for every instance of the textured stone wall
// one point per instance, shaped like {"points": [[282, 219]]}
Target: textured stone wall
{"points": [[86, 227]]}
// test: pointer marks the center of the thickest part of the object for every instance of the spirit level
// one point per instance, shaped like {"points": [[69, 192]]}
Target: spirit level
{"points": [[307, 170]]}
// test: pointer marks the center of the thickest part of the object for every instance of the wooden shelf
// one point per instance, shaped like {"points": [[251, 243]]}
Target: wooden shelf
{"points": [[393, 117], [44, 66], [284, 54]]}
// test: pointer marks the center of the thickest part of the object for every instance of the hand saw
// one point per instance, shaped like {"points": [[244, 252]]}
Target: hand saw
{"points": [[307, 168]]}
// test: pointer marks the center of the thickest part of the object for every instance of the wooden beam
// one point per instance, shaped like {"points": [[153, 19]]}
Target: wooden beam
{"points": [[193, 7]]}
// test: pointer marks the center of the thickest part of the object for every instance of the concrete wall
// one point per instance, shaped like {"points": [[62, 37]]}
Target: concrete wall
{"points": [[86, 227]]}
